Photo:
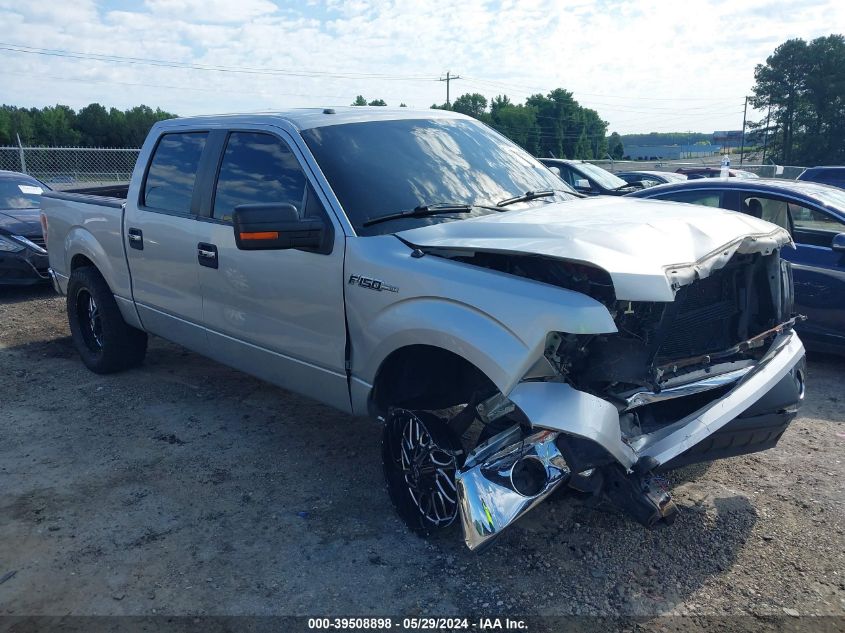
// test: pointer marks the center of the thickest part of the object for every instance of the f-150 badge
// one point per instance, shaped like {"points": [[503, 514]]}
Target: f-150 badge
{"points": [[372, 284]]}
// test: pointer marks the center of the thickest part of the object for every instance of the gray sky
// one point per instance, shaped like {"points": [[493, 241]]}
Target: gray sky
{"points": [[644, 65]]}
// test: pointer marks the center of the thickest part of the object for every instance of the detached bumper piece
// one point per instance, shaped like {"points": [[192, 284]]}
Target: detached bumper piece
{"points": [[503, 479]]}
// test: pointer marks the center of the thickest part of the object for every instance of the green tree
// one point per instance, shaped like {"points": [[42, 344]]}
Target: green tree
{"points": [[377, 102], [359, 101], [474, 105], [615, 147], [93, 124], [802, 85]]}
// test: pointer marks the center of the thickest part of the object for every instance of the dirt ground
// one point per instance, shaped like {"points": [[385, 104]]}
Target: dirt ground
{"points": [[184, 487]]}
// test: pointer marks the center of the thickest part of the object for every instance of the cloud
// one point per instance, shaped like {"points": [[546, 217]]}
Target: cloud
{"points": [[644, 65], [211, 10]]}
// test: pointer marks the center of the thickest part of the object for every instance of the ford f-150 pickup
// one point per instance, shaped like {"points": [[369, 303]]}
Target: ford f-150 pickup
{"points": [[511, 338]]}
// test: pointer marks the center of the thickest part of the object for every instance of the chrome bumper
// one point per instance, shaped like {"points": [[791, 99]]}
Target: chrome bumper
{"points": [[490, 499], [558, 406]]}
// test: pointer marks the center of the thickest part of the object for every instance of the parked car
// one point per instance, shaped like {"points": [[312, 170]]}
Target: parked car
{"points": [[650, 178], [815, 216], [23, 258], [589, 179], [416, 266], [693, 173], [826, 175]]}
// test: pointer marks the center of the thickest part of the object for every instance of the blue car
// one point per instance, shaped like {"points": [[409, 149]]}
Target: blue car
{"points": [[815, 216]]}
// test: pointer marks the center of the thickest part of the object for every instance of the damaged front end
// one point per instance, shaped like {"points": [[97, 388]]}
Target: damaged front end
{"points": [[715, 373]]}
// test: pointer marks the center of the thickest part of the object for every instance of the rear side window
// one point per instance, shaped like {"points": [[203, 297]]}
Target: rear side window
{"points": [[257, 169], [173, 172]]}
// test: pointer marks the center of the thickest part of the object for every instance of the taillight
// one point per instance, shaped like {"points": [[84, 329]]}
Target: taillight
{"points": [[44, 227]]}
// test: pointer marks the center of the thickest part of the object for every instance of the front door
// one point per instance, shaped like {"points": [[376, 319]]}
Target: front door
{"points": [[278, 314]]}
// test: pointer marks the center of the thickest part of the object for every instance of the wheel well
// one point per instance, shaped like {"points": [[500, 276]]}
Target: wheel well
{"points": [[78, 261], [427, 377]]}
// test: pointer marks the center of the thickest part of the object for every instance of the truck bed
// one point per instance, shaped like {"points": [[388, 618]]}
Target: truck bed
{"points": [[94, 223]]}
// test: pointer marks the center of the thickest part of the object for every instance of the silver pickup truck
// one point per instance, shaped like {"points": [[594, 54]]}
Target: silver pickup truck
{"points": [[511, 338]]}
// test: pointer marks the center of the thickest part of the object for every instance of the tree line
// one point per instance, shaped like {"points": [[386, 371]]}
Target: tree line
{"points": [[801, 88], [91, 126]]}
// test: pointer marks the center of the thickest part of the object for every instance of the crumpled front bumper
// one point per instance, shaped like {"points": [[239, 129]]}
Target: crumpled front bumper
{"points": [[23, 268], [490, 501]]}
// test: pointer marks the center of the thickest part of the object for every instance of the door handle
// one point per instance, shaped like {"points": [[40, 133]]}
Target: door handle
{"points": [[207, 255], [136, 239]]}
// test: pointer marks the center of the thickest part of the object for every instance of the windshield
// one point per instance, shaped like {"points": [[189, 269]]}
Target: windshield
{"points": [[377, 168], [20, 193], [601, 176]]}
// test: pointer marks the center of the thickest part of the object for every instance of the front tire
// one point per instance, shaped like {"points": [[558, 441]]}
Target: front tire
{"points": [[104, 341], [421, 457]]}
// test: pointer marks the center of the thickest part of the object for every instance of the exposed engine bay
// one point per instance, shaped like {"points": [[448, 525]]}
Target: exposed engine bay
{"points": [[664, 368]]}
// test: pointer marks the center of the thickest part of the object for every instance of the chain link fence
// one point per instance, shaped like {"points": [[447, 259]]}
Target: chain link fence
{"points": [[763, 171], [62, 167]]}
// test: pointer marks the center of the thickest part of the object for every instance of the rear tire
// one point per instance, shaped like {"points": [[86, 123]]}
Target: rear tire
{"points": [[104, 341]]}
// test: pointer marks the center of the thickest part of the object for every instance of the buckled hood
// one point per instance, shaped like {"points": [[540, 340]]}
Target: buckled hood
{"points": [[650, 248]]}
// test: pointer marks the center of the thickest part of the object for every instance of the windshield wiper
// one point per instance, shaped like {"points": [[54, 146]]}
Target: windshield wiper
{"points": [[422, 211], [528, 195]]}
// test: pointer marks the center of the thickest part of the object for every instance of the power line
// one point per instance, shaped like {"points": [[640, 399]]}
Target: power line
{"points": [[31, 50]]}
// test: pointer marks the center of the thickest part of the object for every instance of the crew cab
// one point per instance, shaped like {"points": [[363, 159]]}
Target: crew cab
{"points": [[510, 337]]}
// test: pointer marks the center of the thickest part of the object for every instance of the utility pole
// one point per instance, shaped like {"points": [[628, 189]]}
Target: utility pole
{"points": [[448, 78], [742, 145], [766, 137]]}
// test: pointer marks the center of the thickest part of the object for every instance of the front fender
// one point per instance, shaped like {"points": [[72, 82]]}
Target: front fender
{"points": [[495, 321]]}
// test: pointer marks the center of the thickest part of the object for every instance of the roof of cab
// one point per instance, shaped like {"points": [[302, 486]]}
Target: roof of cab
{"points": [[306, 118]]}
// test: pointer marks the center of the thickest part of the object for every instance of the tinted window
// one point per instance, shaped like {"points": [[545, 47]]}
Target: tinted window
{"points": [[173, 170], [20, 193], [382, 167], [257, 168], [706, 198]]}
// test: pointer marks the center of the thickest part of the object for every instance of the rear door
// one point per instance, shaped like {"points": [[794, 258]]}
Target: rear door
{"points": [[160, 226], [277, 314]]}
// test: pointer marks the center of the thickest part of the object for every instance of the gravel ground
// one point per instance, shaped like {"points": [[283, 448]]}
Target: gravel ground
{"points": [[184, 487]]}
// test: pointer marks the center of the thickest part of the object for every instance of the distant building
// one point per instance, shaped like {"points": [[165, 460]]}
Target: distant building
{"points": [[669, 152]]}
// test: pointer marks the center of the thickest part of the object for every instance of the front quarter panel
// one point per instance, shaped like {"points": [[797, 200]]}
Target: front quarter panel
{"points": [[495, 321]]}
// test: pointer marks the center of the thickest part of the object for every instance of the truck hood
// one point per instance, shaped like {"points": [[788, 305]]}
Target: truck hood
{"points": [[650, 248], [24, 222]]}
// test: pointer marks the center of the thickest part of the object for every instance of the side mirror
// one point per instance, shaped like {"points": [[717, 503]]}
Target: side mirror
{"points": [[838, 243], [582, 184], [555, 171], [275, 227]]}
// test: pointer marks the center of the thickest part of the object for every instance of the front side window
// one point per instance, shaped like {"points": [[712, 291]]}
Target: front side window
{"points": [[173, 172], [379, 168], [257, 168], [769, 209]]}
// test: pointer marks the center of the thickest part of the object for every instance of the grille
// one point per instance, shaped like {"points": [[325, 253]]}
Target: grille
{"points": [[37, 239], [705, 318]]}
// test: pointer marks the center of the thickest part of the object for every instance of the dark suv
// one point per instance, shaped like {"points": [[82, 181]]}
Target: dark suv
{"points": [[826, 175]]}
